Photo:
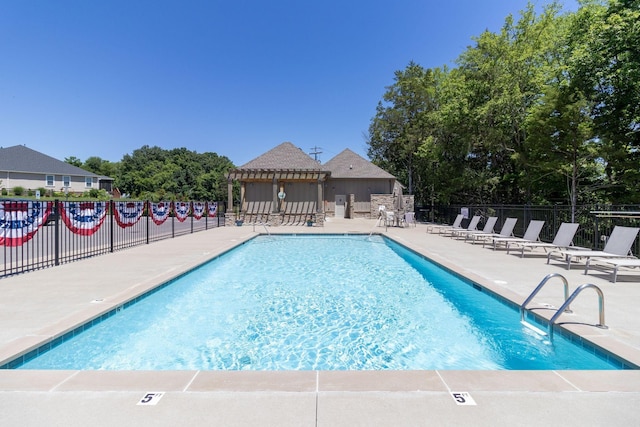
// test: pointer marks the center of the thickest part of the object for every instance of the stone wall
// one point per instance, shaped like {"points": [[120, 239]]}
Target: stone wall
{"points": [[387, 200]]}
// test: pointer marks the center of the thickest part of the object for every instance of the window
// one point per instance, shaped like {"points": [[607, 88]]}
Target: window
{"points": [[66, 181], [88, 181], [50, 181]]}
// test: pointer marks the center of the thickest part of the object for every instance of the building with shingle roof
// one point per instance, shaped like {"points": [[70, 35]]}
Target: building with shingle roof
{"points": [[286, 186], [352, 183], [21, 166]]}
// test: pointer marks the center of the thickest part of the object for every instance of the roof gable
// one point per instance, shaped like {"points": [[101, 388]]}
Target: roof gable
{"points": [[285, 156], [22, 159], [348, 164]]}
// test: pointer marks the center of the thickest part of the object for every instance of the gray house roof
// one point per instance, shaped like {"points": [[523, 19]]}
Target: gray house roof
{"points": [[348, 164], [22, 159], [284, 156]]}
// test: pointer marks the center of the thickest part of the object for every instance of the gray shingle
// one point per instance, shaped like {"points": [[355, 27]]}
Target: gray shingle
{"points": [[22, 159], [284, 156], [348, 164]]}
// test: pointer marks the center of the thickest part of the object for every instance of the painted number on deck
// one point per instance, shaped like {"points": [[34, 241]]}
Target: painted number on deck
{"points": [[151, 398], [462, 398]]}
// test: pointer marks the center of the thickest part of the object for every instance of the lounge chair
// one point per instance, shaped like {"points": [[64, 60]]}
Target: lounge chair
{"points": [[506, 231], [472, 226], [531, 234], [563, 239], [615, 263], [488, 228], [441, 227], [618, 246]]}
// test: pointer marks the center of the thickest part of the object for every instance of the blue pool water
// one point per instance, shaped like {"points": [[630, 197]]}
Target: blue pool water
{"points": [[316, 303]]}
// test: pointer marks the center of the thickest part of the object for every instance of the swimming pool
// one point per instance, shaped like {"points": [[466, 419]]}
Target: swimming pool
{"points": [[316, 302]]}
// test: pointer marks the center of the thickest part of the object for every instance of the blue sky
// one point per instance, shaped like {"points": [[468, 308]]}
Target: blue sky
{"points": [[103, 78]]}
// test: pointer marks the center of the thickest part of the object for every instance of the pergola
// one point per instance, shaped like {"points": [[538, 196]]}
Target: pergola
{"points": [[277, 177]]}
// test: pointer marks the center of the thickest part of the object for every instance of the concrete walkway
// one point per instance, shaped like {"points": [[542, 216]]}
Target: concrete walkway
{"points": [[39, 305]]}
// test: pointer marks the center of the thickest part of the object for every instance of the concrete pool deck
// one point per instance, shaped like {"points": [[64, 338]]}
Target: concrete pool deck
{"points": [[42, 304]]}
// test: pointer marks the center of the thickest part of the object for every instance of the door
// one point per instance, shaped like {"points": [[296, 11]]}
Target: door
{"points": [[340, 199]]}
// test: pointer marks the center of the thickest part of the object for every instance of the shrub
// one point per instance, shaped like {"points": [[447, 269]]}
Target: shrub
{"points": [[5, 192], [18, 191]]}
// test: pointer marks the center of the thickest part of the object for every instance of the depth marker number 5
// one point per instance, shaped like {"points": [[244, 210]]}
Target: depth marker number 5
{"points": [[151, 398], [463, 398]]}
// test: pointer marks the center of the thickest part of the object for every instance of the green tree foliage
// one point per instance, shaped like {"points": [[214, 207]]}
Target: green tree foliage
{"points": [[177, 174], [606, 62], [72, 160], [546, 110]]}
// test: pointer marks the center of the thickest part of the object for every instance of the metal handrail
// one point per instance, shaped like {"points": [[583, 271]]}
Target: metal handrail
{"points": [[572, 297], [537, 289], [262, 224]]}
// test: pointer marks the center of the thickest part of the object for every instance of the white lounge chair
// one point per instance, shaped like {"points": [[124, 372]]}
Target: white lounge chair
{"points": [[472, 226], [531, 234], [506, 231], [614, 263], [488, 228], [441, 227], [563, 240], [618, 246]]}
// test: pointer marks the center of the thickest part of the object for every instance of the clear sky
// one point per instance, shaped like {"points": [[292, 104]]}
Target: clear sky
{"points": [[237, 77]]}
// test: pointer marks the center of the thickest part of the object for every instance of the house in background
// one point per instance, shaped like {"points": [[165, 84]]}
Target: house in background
{"points": [[287, 186], [352, 184], [23, 167]]}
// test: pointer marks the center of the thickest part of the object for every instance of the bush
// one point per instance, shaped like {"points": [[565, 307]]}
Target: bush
{"points": [[18, 191], [5, 192]]}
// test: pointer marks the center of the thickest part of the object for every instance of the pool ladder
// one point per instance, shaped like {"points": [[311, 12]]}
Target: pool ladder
{"points": [[262, 224], [567, 301]]}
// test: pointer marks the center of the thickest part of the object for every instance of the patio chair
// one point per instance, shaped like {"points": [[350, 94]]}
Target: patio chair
{"points": [[506, 231], [531, 234], [472, 226], [563, 240], [441, 227], [618, 246], [615, 263], [488, 228], [410, 218]]}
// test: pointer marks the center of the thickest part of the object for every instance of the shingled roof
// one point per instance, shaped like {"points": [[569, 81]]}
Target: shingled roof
{"points": [[22, 159], [348, 164], [284, 156]]}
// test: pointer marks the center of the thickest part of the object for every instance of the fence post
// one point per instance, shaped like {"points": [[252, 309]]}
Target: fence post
{"points": [[56, 233], [147, 204], [111, 225]]}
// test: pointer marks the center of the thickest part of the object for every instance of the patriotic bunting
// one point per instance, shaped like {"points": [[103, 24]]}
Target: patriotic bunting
{"points": [[198, 210], [128, 213], [213, 209], [160, 212], [20, 220], [83, 218], [182, 210]]}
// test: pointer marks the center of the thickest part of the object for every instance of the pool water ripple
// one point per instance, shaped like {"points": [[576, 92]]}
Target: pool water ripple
{"points": [[321, 303]]}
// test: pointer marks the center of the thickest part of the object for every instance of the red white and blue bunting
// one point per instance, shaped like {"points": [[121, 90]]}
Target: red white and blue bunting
{"points": [[182, 210], [213, 209], [160, 212], [198, 210], [83, 218], [20, 220], [128, 213]]}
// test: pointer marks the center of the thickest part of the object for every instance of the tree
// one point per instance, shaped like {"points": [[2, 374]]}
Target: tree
{"points": [[73, 160], [606, 63], [400, 125], [176, 174]]}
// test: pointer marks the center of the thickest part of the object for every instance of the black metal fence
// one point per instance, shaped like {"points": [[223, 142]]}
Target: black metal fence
{"points": [[35, 235], [596, 221]]}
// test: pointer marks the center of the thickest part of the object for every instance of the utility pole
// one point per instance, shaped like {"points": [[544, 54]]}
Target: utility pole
{"points": [[315, 151]]}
